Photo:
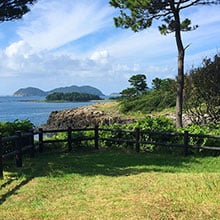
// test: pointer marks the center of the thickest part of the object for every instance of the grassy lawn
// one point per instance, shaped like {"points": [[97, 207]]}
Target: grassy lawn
{"points": [[111, 185]]}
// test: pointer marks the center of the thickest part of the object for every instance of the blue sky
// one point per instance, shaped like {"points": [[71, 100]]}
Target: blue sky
{"points": [[63, 43]]}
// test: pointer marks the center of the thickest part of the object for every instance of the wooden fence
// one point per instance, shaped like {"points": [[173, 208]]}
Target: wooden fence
{"points": [[22, 142]]}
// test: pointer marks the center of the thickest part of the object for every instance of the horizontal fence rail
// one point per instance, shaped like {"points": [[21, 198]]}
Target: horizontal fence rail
{"points": [[24, 141]]}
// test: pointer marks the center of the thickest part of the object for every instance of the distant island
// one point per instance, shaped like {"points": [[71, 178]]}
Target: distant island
{"points": [[71, 97], [31, 91]]}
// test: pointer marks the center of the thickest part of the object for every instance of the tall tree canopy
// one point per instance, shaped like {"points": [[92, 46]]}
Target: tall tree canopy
{"points": [[161, 96], [14, 9], [138, 82], [139, 15], [202, 92], [139, 85]]}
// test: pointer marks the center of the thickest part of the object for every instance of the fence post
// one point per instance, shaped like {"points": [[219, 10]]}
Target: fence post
{"points": [[137, 140], [69, 133], [40, 141], [19, 149], [32, 143], [1, 159], [118, 137], [96, 136], [186, 143]]}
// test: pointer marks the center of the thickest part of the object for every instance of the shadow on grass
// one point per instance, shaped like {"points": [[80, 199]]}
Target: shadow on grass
{"points": [[108, 163], [13, 190]]}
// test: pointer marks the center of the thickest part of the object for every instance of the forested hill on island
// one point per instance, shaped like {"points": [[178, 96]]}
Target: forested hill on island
{"points": [[31, 91]]}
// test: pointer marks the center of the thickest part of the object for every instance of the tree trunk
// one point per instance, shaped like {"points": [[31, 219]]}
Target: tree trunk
{"points": [[180, 86], [180, 75]]}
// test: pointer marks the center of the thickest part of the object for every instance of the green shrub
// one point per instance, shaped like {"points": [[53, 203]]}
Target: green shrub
{"points": [[9, 129], [196, 129], [209, 129], [160, 124], [149, 102], [151, 124], [214, 129], [154, 124]]}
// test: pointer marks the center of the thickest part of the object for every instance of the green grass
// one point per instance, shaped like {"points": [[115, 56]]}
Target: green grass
{"points": [[111, 185]]}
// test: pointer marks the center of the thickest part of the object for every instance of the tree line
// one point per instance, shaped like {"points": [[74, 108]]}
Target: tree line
{"points": [[140, 98], [201, 95], [72, 97]]}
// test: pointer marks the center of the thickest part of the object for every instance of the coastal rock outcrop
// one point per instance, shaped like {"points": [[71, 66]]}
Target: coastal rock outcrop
{"points": [[81, 117]]}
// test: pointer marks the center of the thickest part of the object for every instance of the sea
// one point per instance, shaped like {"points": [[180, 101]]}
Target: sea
{"points": [[34, 109]]}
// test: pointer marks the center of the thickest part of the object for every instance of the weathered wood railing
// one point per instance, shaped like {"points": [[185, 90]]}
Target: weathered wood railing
{"points": [[70, 139], [25, 141], [20, 142]]}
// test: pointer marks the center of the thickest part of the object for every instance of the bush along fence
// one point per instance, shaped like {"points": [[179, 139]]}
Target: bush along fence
{"points": [[138, 140]]}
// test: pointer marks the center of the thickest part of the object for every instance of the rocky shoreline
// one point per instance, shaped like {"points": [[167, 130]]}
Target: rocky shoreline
{"points": [[81, 117], [91, 115]]}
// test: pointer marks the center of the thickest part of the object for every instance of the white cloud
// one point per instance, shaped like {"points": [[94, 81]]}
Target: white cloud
{"points": [[136, 45], [18, 48], [100, 56], [205, 15], [59, 22], [58, 46]]}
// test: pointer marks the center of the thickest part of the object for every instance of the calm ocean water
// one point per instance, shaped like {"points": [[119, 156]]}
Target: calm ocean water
{"points": [[12, 108]]}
